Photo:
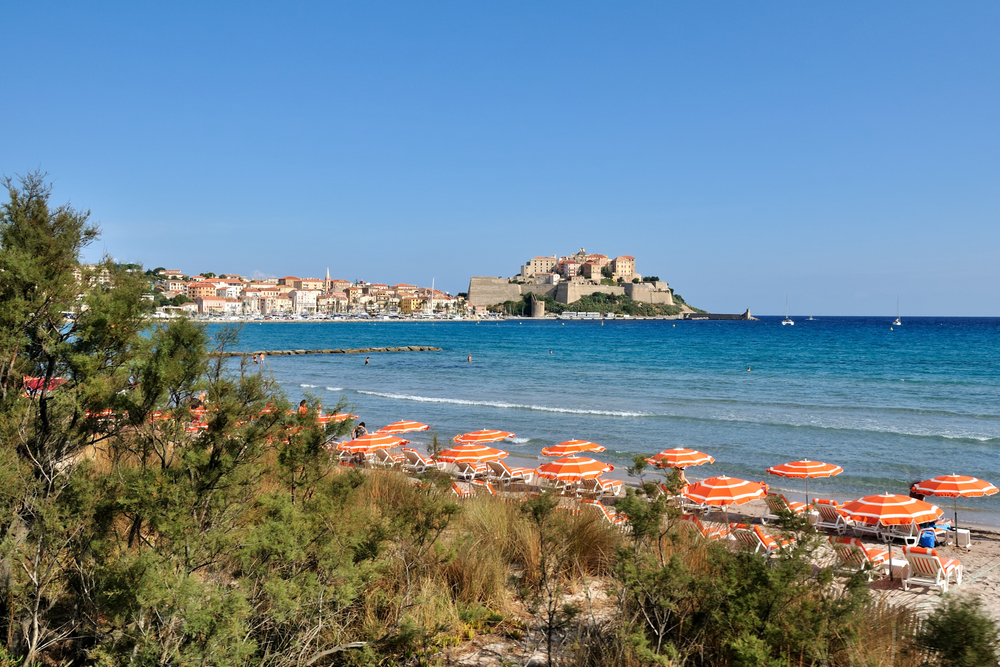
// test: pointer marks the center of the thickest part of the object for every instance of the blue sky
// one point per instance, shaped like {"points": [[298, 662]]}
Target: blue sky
{"points": [[839, 153]]}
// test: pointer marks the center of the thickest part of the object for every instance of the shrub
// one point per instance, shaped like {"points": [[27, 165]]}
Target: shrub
{"points": [[960, 634]]}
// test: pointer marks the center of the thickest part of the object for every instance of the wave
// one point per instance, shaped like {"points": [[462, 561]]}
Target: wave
{"points": [[505, 406], [308, 386], [517, 441], [335, 389]]}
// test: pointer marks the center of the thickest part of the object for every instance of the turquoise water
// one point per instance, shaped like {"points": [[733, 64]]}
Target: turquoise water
{"points": [[890, 407]]}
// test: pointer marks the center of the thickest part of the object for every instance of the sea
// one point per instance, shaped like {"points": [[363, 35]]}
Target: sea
{"points": [[889, 404]]}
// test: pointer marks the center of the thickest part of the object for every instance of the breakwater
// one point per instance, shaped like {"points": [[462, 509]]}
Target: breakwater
{"points": [[353, 350]]}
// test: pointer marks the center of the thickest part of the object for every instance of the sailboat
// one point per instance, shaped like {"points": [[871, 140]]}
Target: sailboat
{"points": [[896, 322], [787, 319]]}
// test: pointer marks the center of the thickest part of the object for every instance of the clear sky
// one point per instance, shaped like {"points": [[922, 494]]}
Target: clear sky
{"points": [[839, 153]]}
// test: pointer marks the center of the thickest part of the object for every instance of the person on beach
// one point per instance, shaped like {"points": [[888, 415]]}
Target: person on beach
{"points": [[359, 431], [303, 408], [261, 357]]}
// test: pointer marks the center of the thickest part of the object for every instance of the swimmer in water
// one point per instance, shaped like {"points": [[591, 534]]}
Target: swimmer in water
{"points": [[550, 351], [748, 369], [366, 360], [470, 358]]}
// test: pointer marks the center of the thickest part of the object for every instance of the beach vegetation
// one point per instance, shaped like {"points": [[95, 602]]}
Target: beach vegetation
{"points": [[161, 503], [651, 279]]}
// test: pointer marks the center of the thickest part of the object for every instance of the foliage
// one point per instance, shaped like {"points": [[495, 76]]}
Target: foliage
{"points": [[960, 634], [651, 279]]}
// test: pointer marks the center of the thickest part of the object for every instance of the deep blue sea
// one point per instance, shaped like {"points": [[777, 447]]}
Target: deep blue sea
{"points": [[889, 406]]}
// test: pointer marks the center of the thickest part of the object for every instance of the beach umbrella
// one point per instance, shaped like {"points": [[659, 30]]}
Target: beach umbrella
{"points": [[479, 437], [890, 509], [679, 457], [403, 427], [955, 486], [470, 454], [341, 417], [371, 442], [572, 447], [573, 469], [724, 491], [805, 469]]}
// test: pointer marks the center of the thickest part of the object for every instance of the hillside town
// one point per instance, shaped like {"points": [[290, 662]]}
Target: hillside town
{"points": [[230, 295]]}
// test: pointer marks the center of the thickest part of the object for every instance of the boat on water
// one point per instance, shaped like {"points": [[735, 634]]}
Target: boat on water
{"points": [[787, 319], [896, 321], [811, 319]]}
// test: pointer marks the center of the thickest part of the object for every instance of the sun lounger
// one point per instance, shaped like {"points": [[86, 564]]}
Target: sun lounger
{"points": [[778, 503], [416, 462], [483, 485], [831, 517], [461, 492], [616, 520], [853, 555], [705, 529], [386, 459], [501, 472], [927, 568], [753, 538], [471, 471], [601, 487]]}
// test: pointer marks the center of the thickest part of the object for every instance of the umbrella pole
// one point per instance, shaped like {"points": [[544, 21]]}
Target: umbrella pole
{"points": [[956, 518]]}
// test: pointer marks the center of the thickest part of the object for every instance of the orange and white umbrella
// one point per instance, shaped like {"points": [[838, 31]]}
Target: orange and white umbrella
{"points": [[724, 491], [679, 457], [573, 469], [403, 427], [371, 442], [480, 437], [805, 469], [955, 486], [572, 447], [339, 417], [470, 454], [890, 509]]}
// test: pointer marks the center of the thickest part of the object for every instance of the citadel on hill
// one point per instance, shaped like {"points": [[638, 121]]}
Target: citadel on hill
{"points": [[570, 278]]}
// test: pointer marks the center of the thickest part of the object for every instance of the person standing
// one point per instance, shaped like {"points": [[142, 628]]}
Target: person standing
{"points": [[366, 360]]}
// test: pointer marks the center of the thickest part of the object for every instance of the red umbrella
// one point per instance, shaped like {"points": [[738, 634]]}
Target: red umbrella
{"points": [[572, 447], [679, 457], [479, 437], [955, 486], [470, 454], [403, 427], [573, 469], [806, 469], [371, 442]]}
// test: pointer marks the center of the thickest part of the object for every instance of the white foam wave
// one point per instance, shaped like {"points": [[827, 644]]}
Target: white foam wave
{"points": [[517, 441], [308, 386], [335, 389], [505, 406]]}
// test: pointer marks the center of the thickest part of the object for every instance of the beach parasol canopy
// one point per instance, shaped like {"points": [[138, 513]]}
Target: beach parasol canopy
{"points": [[339, 417], [371, 442], [679, 457], [724, 491], [805, 469], [470, 454], [479, 437], [403, 427], [890, 509], [572, 447], [955, 486], [573, 469]]}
